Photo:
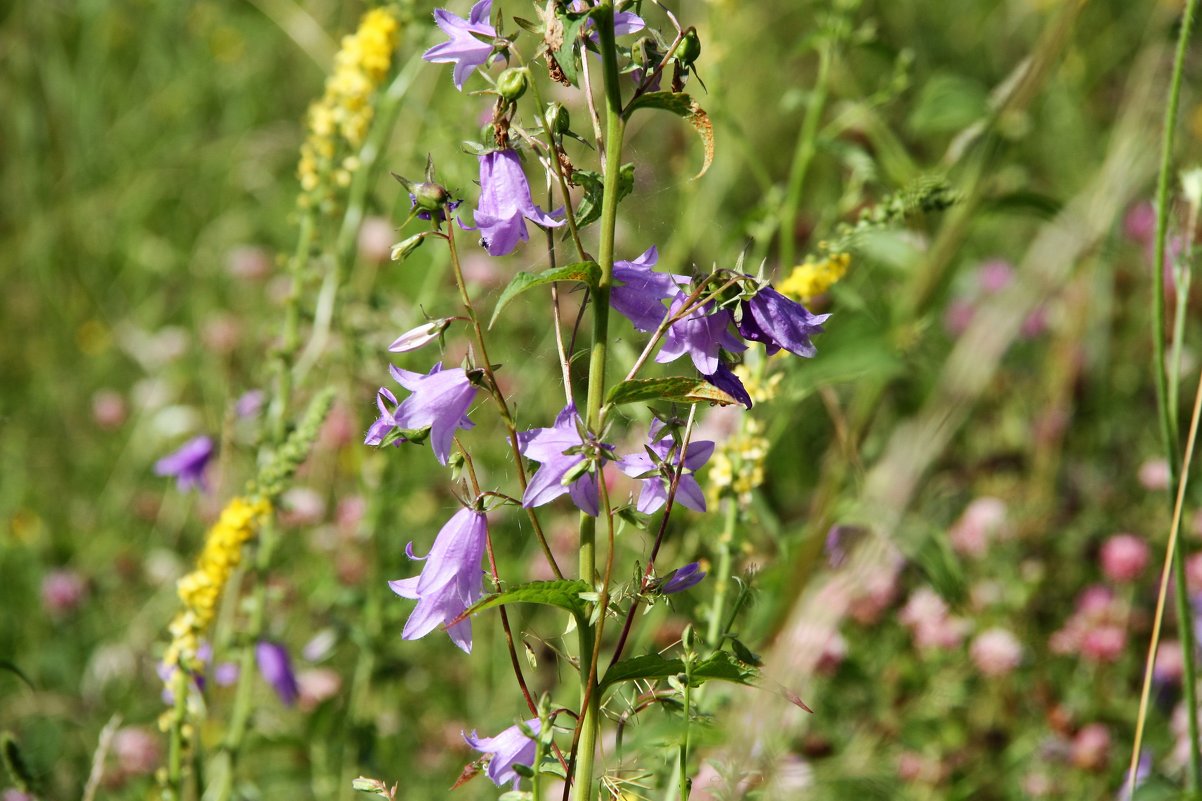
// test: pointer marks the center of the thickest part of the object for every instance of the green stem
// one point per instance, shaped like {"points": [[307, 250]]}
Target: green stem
{"points": [[569, 212], [582, 778], [803, 156], [495, 391], [683, 758], [179, 688], [1168, 423], [714, 633], [278, 414]]}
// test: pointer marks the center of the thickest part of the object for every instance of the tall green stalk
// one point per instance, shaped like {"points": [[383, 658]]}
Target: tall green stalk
{"points": [[803, 156], [1168, 421], [614, 129]]}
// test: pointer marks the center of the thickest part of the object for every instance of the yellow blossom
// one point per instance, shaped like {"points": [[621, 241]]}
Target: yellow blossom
{"points": [[813, 277], [340, 120], [200, 590], [737, 466]]}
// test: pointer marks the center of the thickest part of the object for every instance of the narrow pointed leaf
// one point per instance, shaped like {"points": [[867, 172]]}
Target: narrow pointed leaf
{"points": [[562, 593], [585, 272], [677, 389]]}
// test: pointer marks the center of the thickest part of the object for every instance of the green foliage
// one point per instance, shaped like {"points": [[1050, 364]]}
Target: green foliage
{"points": [[585, 272]]}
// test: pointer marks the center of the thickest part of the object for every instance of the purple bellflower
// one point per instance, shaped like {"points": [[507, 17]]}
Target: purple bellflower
{"points": [[440, 401], [188, 463], [779, 322], [702, 334], [510, 747], [654, 492], [550, 446], [725, 379], [450, 582], [275, 666], [682, 578], [640, 295], [505, 203], [464, 50]]}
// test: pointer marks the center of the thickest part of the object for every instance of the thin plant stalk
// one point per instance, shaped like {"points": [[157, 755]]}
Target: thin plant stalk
{"points": [[1168, 423], [495, 391], [804, 155], [714, 632], [1158, 620]]}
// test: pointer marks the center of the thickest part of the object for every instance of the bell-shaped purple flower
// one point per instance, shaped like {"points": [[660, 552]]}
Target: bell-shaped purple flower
{"points": [[450, 582], [439, 402], [188, 463], [275, 666], [702, 334], [640, 295], [654, 492], [779, 322], [464, 49], [682, 578], [510, 747], [561, 451], [725, 379], [505, 203]]}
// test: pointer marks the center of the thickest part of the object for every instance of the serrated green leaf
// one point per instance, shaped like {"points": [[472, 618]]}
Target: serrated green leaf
{"points": [[589, 209], [561, 593], [586, 272], [651, 666], [720, 666], [682, 105], [677, 389]]}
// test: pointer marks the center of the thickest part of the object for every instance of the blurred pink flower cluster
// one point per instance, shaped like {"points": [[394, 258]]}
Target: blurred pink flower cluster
{"points": [[1097, 629]]}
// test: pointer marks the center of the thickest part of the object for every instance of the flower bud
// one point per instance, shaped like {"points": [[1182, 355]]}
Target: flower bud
{"points": [[689, 48], [511, 84], [402, 250], [422, 335], [430, 196]]}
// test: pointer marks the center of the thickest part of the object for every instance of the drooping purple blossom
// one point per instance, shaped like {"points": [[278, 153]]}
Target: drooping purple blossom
{"points": [[464, 49], [702, 334], [560, 449], [682, 578], [779, 322], [510, 747], [654, 491], [275, 666], [641, 292], [505, 203], [439, 402], [725, 379], [188, 463], [451, 580]]}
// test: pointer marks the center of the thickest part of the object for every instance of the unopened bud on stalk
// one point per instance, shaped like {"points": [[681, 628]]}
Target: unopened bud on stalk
{"points": [[689, 48], [402, 250], [422, 335], [429, 196], [511, 84]]}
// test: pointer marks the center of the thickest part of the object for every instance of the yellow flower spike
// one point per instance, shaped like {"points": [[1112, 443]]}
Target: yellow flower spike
{"points": [[339, 121], [200, 590]]}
